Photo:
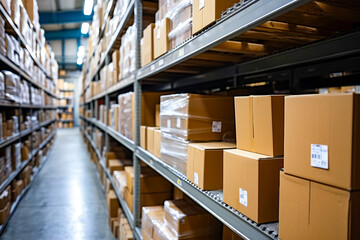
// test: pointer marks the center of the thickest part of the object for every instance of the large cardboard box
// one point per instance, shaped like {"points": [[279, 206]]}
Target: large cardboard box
{"points": [[205, 164], [147, 45], [143, 137], [251, 184], [197, 117], [260, 124], [150, 181], [311, 210], [160, 36], [4, 213], [157, 143], [113, 204], [207, 12], [118, 165], [322, 138], [146, 199], [150, 138]]}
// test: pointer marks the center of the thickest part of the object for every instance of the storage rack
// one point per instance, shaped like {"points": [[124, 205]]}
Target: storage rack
{"points": [[304, 61], [7, 64], [64, 109]]}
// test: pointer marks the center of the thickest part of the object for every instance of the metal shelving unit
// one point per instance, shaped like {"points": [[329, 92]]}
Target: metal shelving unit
{"points": [[289, 64]]}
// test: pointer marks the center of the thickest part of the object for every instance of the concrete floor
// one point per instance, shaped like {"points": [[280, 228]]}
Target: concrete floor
{"points": [[66, 200]]}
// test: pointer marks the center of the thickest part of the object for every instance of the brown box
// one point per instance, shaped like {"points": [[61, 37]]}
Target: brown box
{"points": [[187, 218], [143, 137], [157, 115], [4, 213], [115, 165], [230, 235], [311, 210], [147, 45], [16, 187], [157, 143], [160, 36], [146, 199], [116, 58], [5, 197], [323, 137], [205, 164], [113, 204], [149, 216], [178, 194], [251, 184], [207, 12], [150, 139], [150, 181], [115, 228], [197, 117], [260, 124]]}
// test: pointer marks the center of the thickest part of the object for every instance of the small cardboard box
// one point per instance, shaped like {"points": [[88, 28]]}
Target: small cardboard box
{"points": [[4, 213], [160, 36], [311, 210], [113, 204], [143, 137], [205, 164], [150, 181], [207, 12], [260, 124], [149, 216], [251, 184], [150, 138], [115, 165], [5, 197], [147, 45], [157, 143], [322, 138]]}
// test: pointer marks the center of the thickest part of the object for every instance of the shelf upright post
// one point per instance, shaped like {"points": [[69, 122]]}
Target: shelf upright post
{"points": [[137, 92], [107, 105]]}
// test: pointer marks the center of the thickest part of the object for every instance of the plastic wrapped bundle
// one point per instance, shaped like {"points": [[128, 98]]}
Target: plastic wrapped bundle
{"points": [[11, 86], [150, 215], [2, 86], [8, 166], [126, 114], [174, 151], [16, 155], [120, 181]]}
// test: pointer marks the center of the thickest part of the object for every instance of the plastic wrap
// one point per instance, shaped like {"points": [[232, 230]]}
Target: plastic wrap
{"points": [[127, 52], [2, 86], [120, 181], [125, 119], [16, 155], [149, 216], [11, 86], [114, 116], [185, 219], [174, 151], [8, 166]]}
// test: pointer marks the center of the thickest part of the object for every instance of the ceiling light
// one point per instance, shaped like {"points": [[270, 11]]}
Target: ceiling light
{"points": [[85, 28], [79, 61], [88, 6], [81, 52]]}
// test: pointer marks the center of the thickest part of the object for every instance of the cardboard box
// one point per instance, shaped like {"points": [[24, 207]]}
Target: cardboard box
{"points": [[113, 204], [149, 216], [146, 199], [4, 213], [157, 115], [115, 228], [207, 12], [150, 181], [197, 117], [178, 194], [143, 137], [115, 165], [160, 36], [260, 124], [157, 143], [311, 210], [322, 138], [185, 218], [230, 235], [16, 187], [147, 45], [5, 197], [251, 184], [205, 164], [150, 138]]}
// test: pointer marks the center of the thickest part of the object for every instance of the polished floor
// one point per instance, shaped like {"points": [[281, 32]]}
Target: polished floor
{"points": [[66, 200]]}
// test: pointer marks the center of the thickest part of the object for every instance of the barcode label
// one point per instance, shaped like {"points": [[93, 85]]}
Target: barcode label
{"points": [[243, 197], [161, 62], [142, 42], [196, 178], [179, 182], [152, 67], [216, 126], [319, 156], [158, 34], [178, 122], [201, 4]]}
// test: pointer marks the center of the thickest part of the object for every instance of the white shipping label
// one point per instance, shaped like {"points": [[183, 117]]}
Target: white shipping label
{"points": [[243, 197], [152, 68], [178, 122], [158, 33], [201, 4], [319, 156], [168, 123], [161, 62], [142, 41], [216, 126], [196, 178]]}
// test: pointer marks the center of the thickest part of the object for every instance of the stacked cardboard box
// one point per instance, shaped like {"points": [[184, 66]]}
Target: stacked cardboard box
{"points": [[251, 172], [192, 117], [319, 189], [125, 232], [5, 204]]}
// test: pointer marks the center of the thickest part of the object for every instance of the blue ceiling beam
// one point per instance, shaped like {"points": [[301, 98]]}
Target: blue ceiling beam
{"points": [[63, 17], [65, 34]]}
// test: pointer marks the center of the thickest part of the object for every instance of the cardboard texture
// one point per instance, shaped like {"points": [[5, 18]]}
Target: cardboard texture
{"points": [[147, 45], [251, 184], [143, 137], [113, 204], [160, 36], [150, 181], [157, 143], [150, 139], [260, 124], [178, 194], [208, 12], [230, 235], [329, 121], [205, 164], [115, 165], [310, 210], [5, 197], [4, 213], [157, 115], [149, 216]]}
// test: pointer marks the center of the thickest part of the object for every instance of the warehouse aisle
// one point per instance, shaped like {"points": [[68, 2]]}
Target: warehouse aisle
{"points": [[66, 200]]}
